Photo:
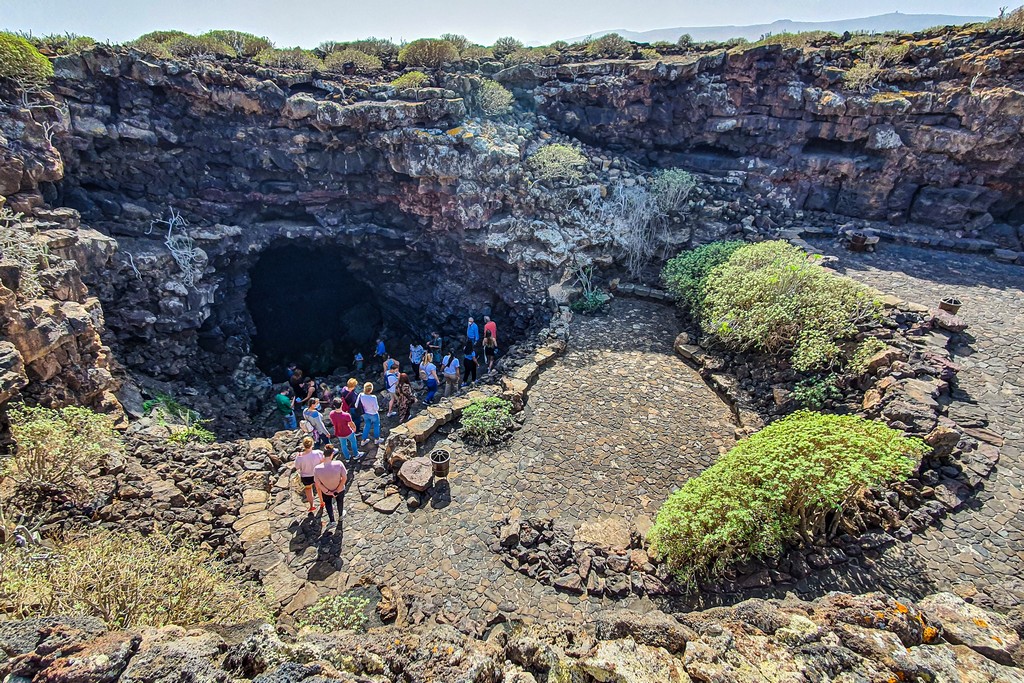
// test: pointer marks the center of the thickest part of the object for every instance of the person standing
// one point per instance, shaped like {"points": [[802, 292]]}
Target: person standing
{"points": [[435, 344], [490, 350], [390, 385], [350, 401], [358, 359], [405, 397], [283, 403], [344, 430], [371, 414], [330, 477], [429, 373], [450, 370], [315, 418], [381, 352], [490, 326], [302, 388], [469, 364], [416, 352], [305, 463], [472, 332]]}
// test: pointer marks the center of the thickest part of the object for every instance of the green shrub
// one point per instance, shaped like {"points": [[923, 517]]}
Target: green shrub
{"points": [[814, 393], [1007, 21], [127, 580], [671, 188], [486, 420], [22, 63], [685, 41], [361, 62], [62, 44], [609, 46], [290, 58], [528, 55], [242, 44], [505, 46], [478, 53], [460, 42], [863, 353], [771, 297], [412, 79], [429, 52], [201, 47], [494, 98], [802, 39], [590, 302], [648, 53], [779, 485], [865, 72], [56, 448], [337, 613], [161, 36], [151, 47], [381, 48], [186, 425], [685, 276], [558, 46], [558, 161]]}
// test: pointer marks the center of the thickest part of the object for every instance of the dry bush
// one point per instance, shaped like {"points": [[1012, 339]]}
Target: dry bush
{"points": [[428, 52], [494, 98], [55, 448], [801, 40], [127, 580], [865, 72], [505, 46], [558, 162], [243, 44], [290, 58], [19, 245], [361, 62]]}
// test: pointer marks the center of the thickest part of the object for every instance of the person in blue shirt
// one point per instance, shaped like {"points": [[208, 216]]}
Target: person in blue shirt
{"points": [[381, 351], [359, 362], [469, 364], [472, 332]]}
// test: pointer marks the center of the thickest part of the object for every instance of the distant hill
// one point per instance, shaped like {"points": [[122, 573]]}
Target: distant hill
{"points": [[879, 23]]}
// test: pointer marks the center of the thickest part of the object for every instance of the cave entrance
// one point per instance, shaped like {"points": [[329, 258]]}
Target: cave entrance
{"points": [[311, 308]]}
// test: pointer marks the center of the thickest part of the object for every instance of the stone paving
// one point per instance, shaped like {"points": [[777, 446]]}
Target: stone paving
{"points": [[611, 427], [977, 552]]}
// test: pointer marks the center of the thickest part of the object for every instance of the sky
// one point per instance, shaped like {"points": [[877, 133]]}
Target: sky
{"points": [[309, 22]]}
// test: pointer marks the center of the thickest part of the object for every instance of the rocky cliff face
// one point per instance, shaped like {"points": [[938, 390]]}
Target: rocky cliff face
{"points": [[936, 145]]}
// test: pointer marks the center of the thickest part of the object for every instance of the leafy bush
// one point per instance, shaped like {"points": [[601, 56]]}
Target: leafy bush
{"points": [[671, 187], [201, 47], [19, 245], [505, 46], [127, 580], [486, 420], [685, 41], [337, 613], [590, 302], [558, 46], [802, 39], [381, 48], [290, 58], [460, 42], [243, 44], [62, 44], [648, 53], [151, 47], [558, 161], [412, 79], [780, 484], [186, 424], [528, 55], [161, 36], [360, 61], [55, 448], [22, 63], [863, 353], [814, 392], [609, 46], [494, 98], [685, 276], [865, 72], [477, 52], [771, 297], [429, 52]]}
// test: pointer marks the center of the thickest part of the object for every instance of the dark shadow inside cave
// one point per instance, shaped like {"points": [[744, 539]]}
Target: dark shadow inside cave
{"points": [[310, 309]]}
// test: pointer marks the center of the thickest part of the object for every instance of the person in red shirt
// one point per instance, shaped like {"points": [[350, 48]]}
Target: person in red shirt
{"points": [[490, 326], [345, 430]]}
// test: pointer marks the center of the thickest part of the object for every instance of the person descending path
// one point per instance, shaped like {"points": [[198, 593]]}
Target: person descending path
{"points": [[472, 332], [330, 477], [283, 403], [390, 386], [450, 370], [490, 350], [405, 397], [428, 372], [371, 414], [344, 430], [469, 364], [305, 462], [435, 344], [315, 419]]}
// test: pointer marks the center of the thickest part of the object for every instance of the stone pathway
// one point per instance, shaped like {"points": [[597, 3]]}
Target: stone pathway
{"points": [[977, 552], [611, 428]]}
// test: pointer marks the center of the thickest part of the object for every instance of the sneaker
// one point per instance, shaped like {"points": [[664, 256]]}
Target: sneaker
{"points": [[364, 442], [379, 441], [393, 413]]}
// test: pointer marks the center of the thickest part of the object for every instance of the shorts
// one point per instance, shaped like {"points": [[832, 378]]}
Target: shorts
{"points": [[390, 395], [306, 481]]}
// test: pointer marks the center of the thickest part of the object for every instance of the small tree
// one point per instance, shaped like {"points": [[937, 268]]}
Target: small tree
{"points": [[55, 448], [685, 41], [459, 41], [505, 46], [361, 62], [609, 46], [429, 52], [22, 63], [494, 98]]}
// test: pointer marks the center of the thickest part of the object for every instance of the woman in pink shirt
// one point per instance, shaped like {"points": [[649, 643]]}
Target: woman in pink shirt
{"points": [[331, 476], [305, 463]]}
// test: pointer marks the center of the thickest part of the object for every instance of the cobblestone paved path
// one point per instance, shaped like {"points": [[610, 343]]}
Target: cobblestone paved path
{"points": [[611, 428], [977, 552]]}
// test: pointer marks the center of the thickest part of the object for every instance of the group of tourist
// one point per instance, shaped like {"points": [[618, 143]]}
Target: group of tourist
{"points": [[354, 409]]}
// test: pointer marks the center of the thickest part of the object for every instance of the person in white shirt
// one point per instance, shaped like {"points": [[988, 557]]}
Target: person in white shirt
{"points": [[371, 414], [330, 476]]}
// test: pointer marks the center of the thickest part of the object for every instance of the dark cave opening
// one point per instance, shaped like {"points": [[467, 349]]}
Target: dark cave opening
{"points": [[310, 309]]}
